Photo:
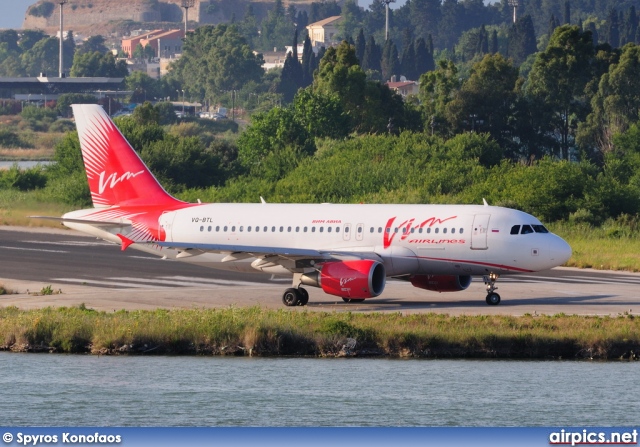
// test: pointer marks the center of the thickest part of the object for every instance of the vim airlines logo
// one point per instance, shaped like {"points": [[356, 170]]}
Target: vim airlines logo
{"points": [[113, 179], [345, 281], [405, 227]]}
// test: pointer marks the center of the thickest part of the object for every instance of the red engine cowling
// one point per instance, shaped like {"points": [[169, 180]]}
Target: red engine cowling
{"points": [[349, 279], [441, 283]]}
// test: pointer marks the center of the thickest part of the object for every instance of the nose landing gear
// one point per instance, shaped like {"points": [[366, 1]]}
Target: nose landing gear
{"points": [[493, 299]]}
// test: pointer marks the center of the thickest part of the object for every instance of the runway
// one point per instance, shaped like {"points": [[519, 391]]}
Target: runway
{"points": [[96, 273]]}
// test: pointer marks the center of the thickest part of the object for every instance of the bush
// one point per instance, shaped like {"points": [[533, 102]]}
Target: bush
{"points": [[45, 9], [11, 139], [23, 180]]}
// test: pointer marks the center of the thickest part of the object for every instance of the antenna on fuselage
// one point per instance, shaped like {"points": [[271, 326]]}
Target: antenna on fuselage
{"points": [[485, 202], [263, 201]]}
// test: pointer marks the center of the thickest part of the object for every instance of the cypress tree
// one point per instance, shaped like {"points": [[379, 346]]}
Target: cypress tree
{"points": [[494, 42], [567, 12], [613, 29], [424, 59], [308, 63], [390, 64], [361, 44], [372, 55], [553, 24], [408, 63]]}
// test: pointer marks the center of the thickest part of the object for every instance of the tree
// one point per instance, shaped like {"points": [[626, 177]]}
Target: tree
{"points": [[558, 79], [42, 57], [322, 116], [309, 63], [613, 28], [522, 39], [437, 90], [93, 44], [372, 56], [30, 37], [408, 63], [567, 12], [361, 44], [424, 58], [616, 106], [143, 87], [488, 96], [390, 63], [216, 59], [351, 15], [98, 65], [291, 76]]}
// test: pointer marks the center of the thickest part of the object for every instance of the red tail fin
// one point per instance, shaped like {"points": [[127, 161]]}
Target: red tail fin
{"points": [[116, 174]]}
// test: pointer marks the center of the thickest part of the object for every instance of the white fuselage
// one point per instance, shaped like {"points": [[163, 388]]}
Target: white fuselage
{"points": [[407, 239]]}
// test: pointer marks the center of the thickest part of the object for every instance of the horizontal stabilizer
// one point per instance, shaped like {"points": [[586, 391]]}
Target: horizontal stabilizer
{"points": [[98, 223]]}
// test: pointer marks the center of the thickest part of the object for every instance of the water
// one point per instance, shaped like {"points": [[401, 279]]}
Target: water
{"points": [[62, 390], [22, 164]]}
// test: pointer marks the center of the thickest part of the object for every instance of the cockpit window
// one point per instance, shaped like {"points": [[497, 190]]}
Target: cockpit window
{"points": [[540, 229], [526, 229], [515, 229]]}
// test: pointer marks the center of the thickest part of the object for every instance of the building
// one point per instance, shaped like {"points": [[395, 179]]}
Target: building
{"points": [[165, 43], [322, 33], [403, 88]]}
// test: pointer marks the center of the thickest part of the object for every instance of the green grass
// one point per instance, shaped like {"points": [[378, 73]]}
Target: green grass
{"points": [[256, 331]]}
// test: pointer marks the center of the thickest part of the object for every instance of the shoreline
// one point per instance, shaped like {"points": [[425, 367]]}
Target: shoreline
{"points": [[254, 331]]}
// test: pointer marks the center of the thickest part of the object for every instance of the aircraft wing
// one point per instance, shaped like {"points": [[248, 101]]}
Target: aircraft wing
{"points": [[239, 252]]}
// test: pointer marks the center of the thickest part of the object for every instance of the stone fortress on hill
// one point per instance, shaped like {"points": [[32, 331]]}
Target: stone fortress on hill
{"points": [[100, 16]]}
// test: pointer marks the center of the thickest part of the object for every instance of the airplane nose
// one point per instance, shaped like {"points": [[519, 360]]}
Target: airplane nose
{"points": [[560, 251]]}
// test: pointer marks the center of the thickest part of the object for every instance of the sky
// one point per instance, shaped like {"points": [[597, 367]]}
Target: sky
{"points": [[13, 11]]}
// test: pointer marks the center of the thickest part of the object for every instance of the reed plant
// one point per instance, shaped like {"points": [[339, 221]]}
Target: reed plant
{"points": [[257, 331]]}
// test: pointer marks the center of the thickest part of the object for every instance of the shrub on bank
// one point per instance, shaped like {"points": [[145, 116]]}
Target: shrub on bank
{"points": [[256, 331]]}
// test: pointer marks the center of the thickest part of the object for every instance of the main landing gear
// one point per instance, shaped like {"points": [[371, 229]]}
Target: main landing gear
{"points": [[493, 299], [295, 297]]}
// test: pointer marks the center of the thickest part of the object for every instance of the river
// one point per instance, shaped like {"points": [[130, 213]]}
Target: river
{"points": [[80, 390]]}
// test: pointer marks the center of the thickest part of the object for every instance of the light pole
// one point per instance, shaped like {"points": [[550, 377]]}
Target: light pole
{"points": [[182, 103], [61, 3], [386, 23], [186, 4], [514, 5]]}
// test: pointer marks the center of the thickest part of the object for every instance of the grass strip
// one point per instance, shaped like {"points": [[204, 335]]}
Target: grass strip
{"points": [[260, 332]]}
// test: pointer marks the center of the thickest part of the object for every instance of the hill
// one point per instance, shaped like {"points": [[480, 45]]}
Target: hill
{"points": [[90, 17]]}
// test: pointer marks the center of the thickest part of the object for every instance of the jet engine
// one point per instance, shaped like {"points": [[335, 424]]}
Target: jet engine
{"points": [[441, 283], [349, 279]]}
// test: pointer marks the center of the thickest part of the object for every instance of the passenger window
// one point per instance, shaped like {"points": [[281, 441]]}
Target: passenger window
{"points": [[288, 229], [321, 229], [453, 231], [379, 229], [420, 230], [337, 229], [429, 230], [233, 229], [217, 228], [371, 231], [515, 229], [304, 229], [273, 229], [313, 229], [444, 230], [201, 228], [225, 228], [388, 230], [209, 228], [346, 229], [281, 229], [249, 228], [461, 230], [359, 230], [437, 230], [297, 229], [241, 228], [526, 229], [265, 229], [329, 229]]}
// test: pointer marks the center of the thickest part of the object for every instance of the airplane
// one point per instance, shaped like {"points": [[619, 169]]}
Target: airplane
{"points": [[347, 250]]}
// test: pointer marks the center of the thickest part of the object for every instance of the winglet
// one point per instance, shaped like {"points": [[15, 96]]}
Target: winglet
{"points": [[125, 241]]}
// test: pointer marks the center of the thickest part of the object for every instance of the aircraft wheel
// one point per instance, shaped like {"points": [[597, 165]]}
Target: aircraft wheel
{"points": [[303, 297], [493, 299], [352, 300], [290, 297]]}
